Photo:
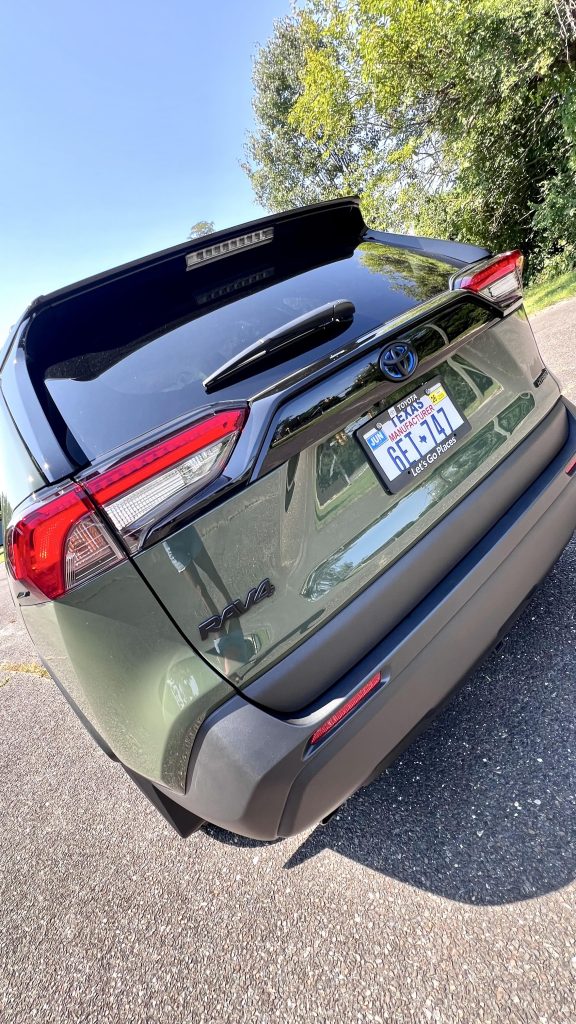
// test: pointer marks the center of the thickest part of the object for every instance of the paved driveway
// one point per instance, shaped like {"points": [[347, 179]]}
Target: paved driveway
{"points": [[444, 892], [555, 330]]}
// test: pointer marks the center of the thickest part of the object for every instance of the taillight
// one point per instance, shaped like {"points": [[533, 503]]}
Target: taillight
{"points": [[63, 542], [59, 544], [140, 489], [498, 279], [346, 709]]}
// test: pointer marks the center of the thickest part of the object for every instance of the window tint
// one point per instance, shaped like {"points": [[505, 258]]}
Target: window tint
{"points": [[112, 378]]}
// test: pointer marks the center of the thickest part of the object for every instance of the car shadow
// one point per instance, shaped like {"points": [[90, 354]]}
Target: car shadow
{"points": [[482, 807]]}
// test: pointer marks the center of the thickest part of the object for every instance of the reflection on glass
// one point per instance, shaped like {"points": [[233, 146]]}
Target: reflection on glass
{"points": [[411, 273]]}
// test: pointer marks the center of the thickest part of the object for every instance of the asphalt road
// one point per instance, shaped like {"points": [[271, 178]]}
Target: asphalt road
{"points": [[442, 893]]}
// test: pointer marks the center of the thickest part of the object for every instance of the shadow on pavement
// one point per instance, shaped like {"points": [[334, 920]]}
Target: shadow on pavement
{"points": [[481, 808]]}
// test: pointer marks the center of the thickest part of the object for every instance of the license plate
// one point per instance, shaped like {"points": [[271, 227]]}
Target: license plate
{"points": [[414, 435]]}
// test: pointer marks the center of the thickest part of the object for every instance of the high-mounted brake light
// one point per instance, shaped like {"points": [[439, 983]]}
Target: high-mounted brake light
{"points": [[139, 489], [498, 279], [345, 709], [62, 541], [228, 247]]}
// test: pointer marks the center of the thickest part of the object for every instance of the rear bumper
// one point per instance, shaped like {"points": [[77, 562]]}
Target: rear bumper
{"points": [[251, 771]]}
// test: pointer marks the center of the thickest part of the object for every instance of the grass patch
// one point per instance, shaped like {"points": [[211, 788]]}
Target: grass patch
{"points": [[540, 296], [24, 666], [31, 668], [1, 555]]}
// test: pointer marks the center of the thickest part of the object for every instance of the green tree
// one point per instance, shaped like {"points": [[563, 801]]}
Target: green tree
{"points": [[202, 227], [287, 166], [458, 117]]}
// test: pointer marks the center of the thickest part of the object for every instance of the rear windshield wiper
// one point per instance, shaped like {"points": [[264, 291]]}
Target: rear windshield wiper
{"points": [[339, 312]]}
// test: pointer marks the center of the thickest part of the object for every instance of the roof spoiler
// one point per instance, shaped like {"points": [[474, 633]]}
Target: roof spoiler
{"points": [[336, 218], [125, 308], [457, 253]]}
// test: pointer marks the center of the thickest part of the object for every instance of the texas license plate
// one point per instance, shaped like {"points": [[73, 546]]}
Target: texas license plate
{"points": [[414, 435]]}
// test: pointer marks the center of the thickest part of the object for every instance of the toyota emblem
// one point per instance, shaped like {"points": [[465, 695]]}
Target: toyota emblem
{"points": [[398, 360]]}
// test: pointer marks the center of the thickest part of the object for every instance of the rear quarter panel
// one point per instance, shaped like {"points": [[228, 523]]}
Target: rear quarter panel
{"points": [[116, 653]]}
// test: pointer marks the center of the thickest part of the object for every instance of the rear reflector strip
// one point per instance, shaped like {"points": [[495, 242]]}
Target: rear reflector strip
{"points": [[571, 467], [338, 716]]}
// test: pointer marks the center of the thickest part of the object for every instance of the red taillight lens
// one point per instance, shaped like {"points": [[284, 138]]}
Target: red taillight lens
{"points": [[59, 544], [160, 477], [62, 542], [571, 467], [498, 279], [345, 709]]}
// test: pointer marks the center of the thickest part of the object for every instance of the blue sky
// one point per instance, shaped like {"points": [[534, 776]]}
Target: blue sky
{"points": [[123, 123]]}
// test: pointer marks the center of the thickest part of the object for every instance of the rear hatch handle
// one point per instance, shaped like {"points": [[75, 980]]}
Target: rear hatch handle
{"points": [[341, 312]]}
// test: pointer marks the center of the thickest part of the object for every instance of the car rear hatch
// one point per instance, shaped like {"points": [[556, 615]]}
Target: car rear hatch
{"points": [[321, 494]]}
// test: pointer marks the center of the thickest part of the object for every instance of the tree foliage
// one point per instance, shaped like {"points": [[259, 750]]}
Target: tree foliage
{"points": [[286, 165], [450, 117], [201, 228]]}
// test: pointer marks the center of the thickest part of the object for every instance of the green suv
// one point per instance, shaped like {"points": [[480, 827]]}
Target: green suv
{"points": [[270, 495]]}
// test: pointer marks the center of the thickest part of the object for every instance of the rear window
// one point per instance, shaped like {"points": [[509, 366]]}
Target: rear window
{"points": [[122, 362]]}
